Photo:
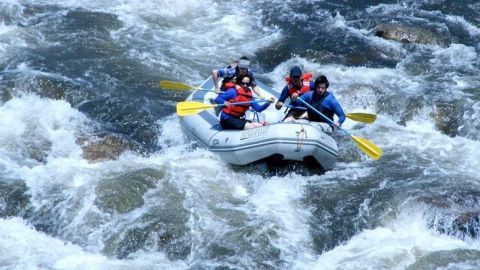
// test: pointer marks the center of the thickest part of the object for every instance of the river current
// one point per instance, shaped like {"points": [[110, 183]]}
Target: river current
{"points": [[73, 73]]}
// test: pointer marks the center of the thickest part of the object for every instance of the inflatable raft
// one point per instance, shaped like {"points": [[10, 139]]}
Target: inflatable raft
{"points": [[305, 142]]}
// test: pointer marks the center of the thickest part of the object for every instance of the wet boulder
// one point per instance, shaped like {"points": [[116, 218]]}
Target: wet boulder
{"points": [[448, 116], [106, 148], [125, 192], [14, 200], [436, 202], [412, 108], [467, 224], [409, 34], [446, 259], [162, 225], [454, 214]]}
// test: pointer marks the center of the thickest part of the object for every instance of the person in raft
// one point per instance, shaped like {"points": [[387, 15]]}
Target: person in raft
{"points": [[236, 71], [298, 83], [325, 102], [233, 116]]}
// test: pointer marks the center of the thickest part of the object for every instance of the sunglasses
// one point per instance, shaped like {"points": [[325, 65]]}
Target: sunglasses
{"points": [[245, 83]]}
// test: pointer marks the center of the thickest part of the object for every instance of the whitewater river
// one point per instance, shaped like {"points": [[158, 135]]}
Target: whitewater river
{"points": [[75, 72]]}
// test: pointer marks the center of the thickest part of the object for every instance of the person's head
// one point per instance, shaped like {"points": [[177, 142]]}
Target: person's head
{"points": [[243, 65], [296, 76], [246, 81], [321, 84], [229, 79], [228, 82]]}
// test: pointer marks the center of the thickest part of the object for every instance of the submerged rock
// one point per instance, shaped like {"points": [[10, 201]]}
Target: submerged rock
{"points": [[409, 34], [448, 116], [446, 259], [413, 105], [436, 202], [108, 147], [455, 214], [467, 224], [125, 192], [14, 200], [163, 225]]}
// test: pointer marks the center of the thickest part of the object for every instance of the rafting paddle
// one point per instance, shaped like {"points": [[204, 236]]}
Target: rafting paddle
{"points": [[185, 108], [179, 86], [365, 145], [367, 118]]}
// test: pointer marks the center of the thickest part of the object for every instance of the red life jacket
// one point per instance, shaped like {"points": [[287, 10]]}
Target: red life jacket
{"points": [[228, 85], [306, 78], [243, 94]]}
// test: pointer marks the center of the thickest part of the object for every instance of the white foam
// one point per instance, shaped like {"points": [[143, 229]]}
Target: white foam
{"points": [[25, 248], [395, 246], [11, 8], [455, 56], [171, 35], [386, 8], [278, 202], [48, 125], [355, 87], [388, 48], [9, 39], [469, 27], [458, 156]]}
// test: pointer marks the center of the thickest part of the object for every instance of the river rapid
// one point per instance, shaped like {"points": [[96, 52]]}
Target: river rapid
{"points": [[73, 73]]}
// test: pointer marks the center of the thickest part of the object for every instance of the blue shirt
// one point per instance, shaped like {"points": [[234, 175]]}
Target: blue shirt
{"points": [[232, 93], [284, 95], [329, 103]]}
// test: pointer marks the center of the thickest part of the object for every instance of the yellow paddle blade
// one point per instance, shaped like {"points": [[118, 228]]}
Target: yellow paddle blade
{"points": [[362, 117], [192, 107], [177, 86], [368, 147]]}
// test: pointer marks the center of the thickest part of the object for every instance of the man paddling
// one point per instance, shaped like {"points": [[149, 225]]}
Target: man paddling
{"points": [[325, 102], [298, 83]]}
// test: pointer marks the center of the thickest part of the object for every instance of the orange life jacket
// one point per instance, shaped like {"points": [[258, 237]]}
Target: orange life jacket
{"points": [[243, 94], [306, 78], [228, 85]]}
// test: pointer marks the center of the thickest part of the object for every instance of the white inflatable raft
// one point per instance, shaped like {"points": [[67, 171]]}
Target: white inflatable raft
{"points": [[289, 141]]}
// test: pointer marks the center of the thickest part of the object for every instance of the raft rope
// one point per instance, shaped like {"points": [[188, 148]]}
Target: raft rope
{"points": [[301, 135]]}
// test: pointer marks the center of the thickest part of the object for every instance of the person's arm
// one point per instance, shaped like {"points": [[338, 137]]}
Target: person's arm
{"points": [[307, 97], [257, 107], [282, 98], [225, 96], [215, 80], [254, 86], [256, 90], [294, 102], [337, 109]]}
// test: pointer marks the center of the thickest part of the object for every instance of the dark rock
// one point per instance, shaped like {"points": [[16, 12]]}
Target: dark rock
{"points": [[408, 34], [412, 108], [467, 224], [448, 116], [436, 202], [13, 198], [454, 214], [133, 241], [163, 226], [445, 259], [125, 192], [108, 147]]}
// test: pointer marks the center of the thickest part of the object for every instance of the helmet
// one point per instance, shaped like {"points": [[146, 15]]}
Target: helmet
{"points": [[296, 71]]}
